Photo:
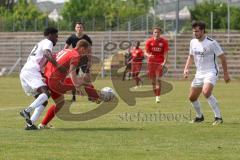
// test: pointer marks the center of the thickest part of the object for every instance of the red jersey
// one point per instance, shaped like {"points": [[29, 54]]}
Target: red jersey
{"points": [[137, 55], [65, 58], [157, 48]]}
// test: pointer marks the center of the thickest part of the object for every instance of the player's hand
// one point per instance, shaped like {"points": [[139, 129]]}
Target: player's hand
{"points": [[164, 68], [226, 78], [185, 73], [149, 55]]}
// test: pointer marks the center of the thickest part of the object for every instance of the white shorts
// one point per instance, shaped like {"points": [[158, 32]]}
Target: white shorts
{"points": [[199, 80], [31, 81]]}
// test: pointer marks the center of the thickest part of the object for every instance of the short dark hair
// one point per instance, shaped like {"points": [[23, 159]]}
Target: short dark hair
{"points": [[50, 30], [199, 24], [80, 23]]}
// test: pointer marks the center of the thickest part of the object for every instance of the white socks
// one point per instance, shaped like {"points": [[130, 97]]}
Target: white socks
{"points": [[197, 106], [39, 101], [214, 105], [37, 113]]}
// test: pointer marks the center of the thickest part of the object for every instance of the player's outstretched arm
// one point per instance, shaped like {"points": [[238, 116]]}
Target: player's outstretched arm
{"points": [[225, 69], [186, 68]]}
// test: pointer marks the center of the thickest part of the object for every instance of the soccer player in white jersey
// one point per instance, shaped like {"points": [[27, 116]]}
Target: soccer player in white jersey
{"points": [[204, 52], [31, 76]]}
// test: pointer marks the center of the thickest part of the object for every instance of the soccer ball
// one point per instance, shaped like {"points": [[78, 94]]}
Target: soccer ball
{"points": [[107, 94]]}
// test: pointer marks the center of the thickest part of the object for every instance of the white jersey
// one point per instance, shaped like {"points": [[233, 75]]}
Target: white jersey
{"points": [[205, 55], [36, 60]]}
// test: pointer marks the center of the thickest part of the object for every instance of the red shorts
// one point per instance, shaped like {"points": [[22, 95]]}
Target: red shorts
{"points": [[58, 87], [136, 67], [154, 70]]}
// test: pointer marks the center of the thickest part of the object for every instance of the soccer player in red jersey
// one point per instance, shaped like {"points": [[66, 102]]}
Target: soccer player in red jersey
{"points": [[58, 82], [156, 51], [137, 58]]}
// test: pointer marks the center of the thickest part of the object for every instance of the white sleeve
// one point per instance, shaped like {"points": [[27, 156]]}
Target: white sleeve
{"points": [[216, 48], [47, 45], [190, 49]]}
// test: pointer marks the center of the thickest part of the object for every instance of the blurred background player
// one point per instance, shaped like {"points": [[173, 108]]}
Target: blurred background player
{"points": [[157, 53], [59, 84], [136, 61], [31, 77], [127, 59], [85, 61], [204, 50]]}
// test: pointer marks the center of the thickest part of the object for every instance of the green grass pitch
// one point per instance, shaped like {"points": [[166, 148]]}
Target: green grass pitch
{"points": [[127, 132]]}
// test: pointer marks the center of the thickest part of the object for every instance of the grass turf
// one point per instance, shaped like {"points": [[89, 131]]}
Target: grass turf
{"points": [[144, 131]]}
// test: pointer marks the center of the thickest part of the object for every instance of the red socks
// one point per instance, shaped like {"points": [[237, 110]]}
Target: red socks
{"points": [[91, 92], [50, 114], [156, 90]]}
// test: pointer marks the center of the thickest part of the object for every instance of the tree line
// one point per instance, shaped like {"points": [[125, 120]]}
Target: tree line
{"points": [[107, 14]]}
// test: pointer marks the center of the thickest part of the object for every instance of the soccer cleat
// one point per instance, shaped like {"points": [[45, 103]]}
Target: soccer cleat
{"points": [[42, 126], [157, 99], [197, 120], [136, 87], [217, 121], [26, 116], [31, 127]]}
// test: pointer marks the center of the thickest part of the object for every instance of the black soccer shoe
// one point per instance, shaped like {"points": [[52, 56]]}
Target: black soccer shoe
{"points": [[31, 127], [26, 116], [198, 120], [217, 121]]}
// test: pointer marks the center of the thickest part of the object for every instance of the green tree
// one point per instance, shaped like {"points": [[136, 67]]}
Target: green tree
{"points": [[107, 11], [203, 10], [25, 14], [20, 16]]}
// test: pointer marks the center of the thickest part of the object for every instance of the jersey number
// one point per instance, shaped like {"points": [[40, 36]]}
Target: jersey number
{"points": [[33, 51], [60, 54]]}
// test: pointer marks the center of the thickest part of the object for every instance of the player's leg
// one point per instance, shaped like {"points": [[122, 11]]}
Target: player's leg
{"points": [[33, 85], [152, 77], [89, 89], [195, 91], [158, 75], [37, 112], [41, 98], [158, 89], [74, 90], [193, 97], [129, 71], [52, 111], [37, 106], [212, 101], [136, 72]]}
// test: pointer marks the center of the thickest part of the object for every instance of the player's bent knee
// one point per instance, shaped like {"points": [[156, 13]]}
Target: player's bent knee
{"points": [[206, 94]]}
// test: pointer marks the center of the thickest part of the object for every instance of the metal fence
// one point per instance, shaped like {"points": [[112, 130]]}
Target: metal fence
{"points": [[163, 13]]}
